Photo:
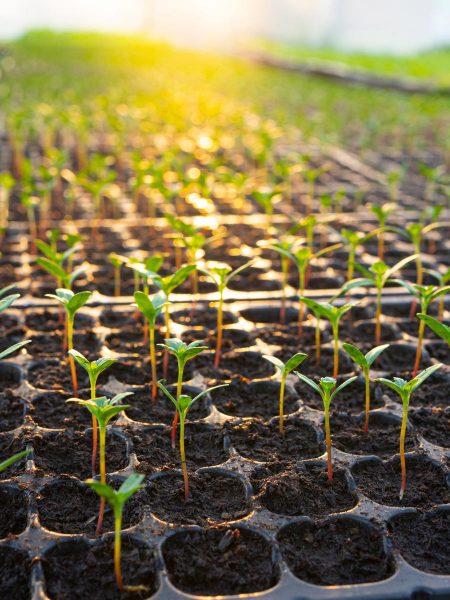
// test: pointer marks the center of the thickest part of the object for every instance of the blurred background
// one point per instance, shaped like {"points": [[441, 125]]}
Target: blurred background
{"points": [[399, 27]]}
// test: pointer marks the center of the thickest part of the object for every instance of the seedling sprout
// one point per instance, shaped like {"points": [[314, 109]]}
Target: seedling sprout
{"points": [[440, 329], [13, 459]]}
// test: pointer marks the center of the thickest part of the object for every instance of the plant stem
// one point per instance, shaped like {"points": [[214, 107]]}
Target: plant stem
{"points": [[378, 318], [153, 362], [94, 432], [102, 476], [282, 386], [328, 442], [367, 381], [380, 245], [351, 263], [419, 279], [335, 350], [301, 308], [219, 330], [167, 328], [117, 547], [402, 448], [284, 271], [179, 389], [117, 280], [183, 460], [317, 335], [419, 347], [73, 369]]}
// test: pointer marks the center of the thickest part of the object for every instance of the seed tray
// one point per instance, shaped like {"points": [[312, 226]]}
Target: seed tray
{"points": [[144, 442]]}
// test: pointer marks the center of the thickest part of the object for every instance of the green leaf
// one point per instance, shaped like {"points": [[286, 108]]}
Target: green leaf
{"points": [[208, 391], [130, 486], [105, 491], [13, 459], [149, 307], [81, 360], [77, 301], [373, 354], [52, 268], [391, 384], [163, 388], [356, 355], [343, 386], [7, 301], [13, 348], [420, 378], [440, 329], [275, 361], [309, 382], [295, 361]]}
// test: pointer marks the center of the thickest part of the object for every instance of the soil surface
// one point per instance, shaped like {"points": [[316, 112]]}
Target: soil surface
{"points": [[422, 540], [341, 551], [214, 497], [433, 424], [220, 561], [50, 410], [425, 482], [55, 375], [248, 365], [302, 489], [75, 570], [14, 574], [351, 399], [12, 409], [13, 510], [263, 442]]}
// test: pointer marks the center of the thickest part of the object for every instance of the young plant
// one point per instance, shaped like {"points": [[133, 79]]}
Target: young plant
{"points": [[267, 198], [13, 459], [425, 296], [7, 183], [103, 409], [326, 390], [182, 404], [183, 353], [378, 275], [405, 389], [442, 279], [284, 369], [72, 304], [94, 369], [440, 329], [221, 274], [382, 213], [365, 361], [354, 239], [151, 309], [333, 315], [117, 261], [117, 499]]}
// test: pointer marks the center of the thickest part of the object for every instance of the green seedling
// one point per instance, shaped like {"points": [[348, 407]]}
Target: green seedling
{"points": [[442, 279], [103, 409], [117, 261], [267, 198], [405, 389], [284, 369], [7, 300], [93, 369], [151, 308], [326, 390], [72, 304], [117, 499], [440, 329], [183, 353], [64, 277], [354, 239], [378, 275], [333, 315], [7, 182], [13, 459], [394, 177], [382, 213], [425, 295], [432, 176], [182, 404], [221, 274], [365, 361]]}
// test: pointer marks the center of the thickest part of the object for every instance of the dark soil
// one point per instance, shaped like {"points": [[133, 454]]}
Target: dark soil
{"points": [[10, 376], [232, 338], [400, 357], [263, 442], [13, 510], [205, 446], [55, 375], [341, 551], [351, 399], [11, 444], [303, 489], [426, 483], [325, 368], [115, 318], [214, 497], [76, 570], [433, 392], [7, 322], [14, 574], [51, 410], [433, 424], [162, 410], [12, 410], [381, 440], [131, 341], [422, 540], [204, 316], [269, 314], [287, 335], [135, 372], [49, 321], [69, 506], [363, 333], [220, 561], [52, 344], [247, 364], [439, 350], [69, 453], [259, 399]]}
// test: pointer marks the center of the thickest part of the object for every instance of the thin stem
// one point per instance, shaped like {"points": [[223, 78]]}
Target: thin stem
{"points": [[153, 362], [317, 336], [282, 387], [94, 431], [419, 347], [219, 329], [336, 350], [284, 282], [402, 448], [117, 548], [367, 380], [117, 280], [328, 442], [183, 460], [167, 331], [102, 476], [73, 369], [351, 263], [179, 389], [301, 308], [380, 246], [378, 318]]}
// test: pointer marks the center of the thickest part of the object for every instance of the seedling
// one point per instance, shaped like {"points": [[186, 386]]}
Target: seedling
{"points": [[117, 261], [183, 353], [425, 296], [284, 369], [13, 459], [103, 409], [440, 329], [93, 369], [267, 198], [7, 183], [382, 213], [117, 499], [365, 361], [326, 390], [378, 275], [443, 279], [72, 304], [182, 404], [6, 301], [405, 389], [221, 274], [333, 314], [63, 277], [355, 239], [151, 309]]}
